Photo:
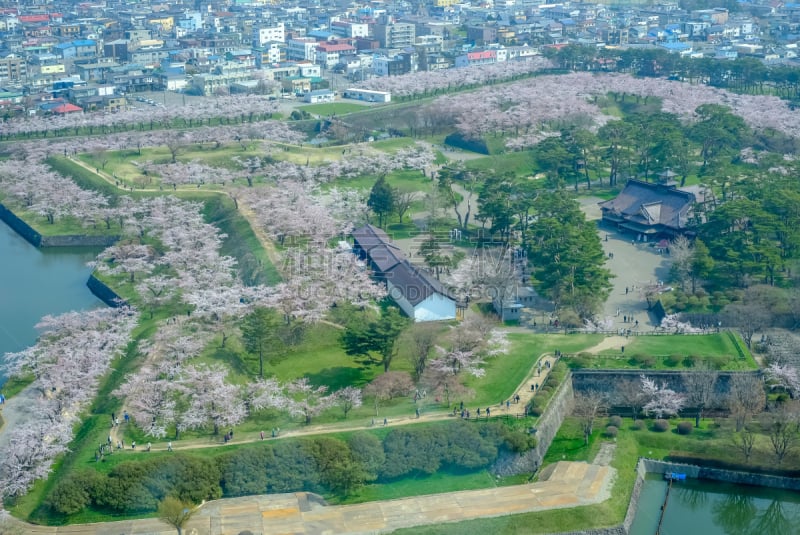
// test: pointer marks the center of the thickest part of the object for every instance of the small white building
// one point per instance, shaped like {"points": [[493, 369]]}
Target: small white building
{"points": [[319, 96], [367, 95]]}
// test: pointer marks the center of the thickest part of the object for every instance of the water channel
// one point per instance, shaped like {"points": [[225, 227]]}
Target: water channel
{"points": [[36, 282], [716, 508]]}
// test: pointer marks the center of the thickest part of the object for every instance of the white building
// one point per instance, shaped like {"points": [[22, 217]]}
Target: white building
{"points": [[301, 48], [262, 36], [318, 96], [412, 288]]}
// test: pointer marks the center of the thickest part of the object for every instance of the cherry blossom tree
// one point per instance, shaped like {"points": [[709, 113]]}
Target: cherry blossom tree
{"points": [[662, 401], [348, 398], [307, 400], [210, 401], [783, 376], [456, 361], [388, 386], [73, 352]]}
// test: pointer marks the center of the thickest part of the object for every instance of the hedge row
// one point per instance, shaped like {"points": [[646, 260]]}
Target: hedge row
{"points": [[315, 464]]}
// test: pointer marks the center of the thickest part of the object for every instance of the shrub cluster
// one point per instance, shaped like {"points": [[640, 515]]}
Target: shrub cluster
{"points": [[316, 464], [661, 426], [615, 420], [684, 428]]}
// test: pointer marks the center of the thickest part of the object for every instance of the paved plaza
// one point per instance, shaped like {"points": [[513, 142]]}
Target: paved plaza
{"points": [[635, 265]]}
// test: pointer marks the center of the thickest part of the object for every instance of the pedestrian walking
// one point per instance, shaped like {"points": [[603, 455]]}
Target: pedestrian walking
{"points": [[508, 404], [2, 399], [149, 446], [169, 446], [262, 435], [133, 445], [113, 417], [532, 388], [479, 412], [626, 290], [417, 411], [117, 422], [385, 422], [122, 441], [230, 434], [126, 417], [109, 439], [488, 412]]}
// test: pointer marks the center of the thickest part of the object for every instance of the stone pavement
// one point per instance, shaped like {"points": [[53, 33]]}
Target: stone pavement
{"points": [[567, 484]]}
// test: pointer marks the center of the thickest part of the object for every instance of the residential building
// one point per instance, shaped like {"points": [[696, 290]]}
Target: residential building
{"points": [[329, 54], [301, 48], [395, 34], [13, 69], [262, 36]]}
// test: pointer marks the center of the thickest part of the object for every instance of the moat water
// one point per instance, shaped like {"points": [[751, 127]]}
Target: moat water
{"points": [[701, 507], [36, 282]]}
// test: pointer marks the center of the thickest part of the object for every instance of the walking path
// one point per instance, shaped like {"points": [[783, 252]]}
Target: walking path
{"points": [[537, 376]]}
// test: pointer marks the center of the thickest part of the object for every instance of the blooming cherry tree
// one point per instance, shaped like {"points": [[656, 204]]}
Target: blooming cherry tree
{"points": [[662, 401]]}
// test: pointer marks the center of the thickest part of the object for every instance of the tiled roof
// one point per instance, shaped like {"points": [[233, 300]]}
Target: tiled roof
{"points": [[651, 204], [415, 283]]}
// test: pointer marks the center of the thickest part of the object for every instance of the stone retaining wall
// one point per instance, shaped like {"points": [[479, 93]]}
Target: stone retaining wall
{"points": [[19, 226], [606, 381], [718, 474], [78, 240], [37, 240], [559, 406], [104, 293]]}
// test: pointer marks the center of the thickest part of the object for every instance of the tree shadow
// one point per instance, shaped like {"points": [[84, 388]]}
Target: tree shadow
{"points": [[338, 377]]}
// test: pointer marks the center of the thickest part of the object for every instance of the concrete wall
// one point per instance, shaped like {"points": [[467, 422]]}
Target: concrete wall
{"points": [[547, 426]]}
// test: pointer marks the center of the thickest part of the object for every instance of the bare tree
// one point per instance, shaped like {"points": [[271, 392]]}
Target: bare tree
{"points": [[630, 395], [746, 397], [781, 424], [402, 202], [588, 406], [700, 384], [744, 441], [421, 340]]}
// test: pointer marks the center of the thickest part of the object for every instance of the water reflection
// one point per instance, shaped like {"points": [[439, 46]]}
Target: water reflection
{"points": [[734, 513], [714, 508]]}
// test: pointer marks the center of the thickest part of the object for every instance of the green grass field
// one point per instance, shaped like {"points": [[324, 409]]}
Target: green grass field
{"points": [[332, 108]]}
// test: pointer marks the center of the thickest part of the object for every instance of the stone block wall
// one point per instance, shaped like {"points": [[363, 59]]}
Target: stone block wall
{"points": [[606, 380], [547, 426]]}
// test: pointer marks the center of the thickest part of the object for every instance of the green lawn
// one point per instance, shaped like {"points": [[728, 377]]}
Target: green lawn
{"points": [[672, 352], [332, 108], [519, 163], [505, 373]]}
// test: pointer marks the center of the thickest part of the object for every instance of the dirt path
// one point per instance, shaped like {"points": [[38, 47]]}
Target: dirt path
{"points": [[611, 342]]}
